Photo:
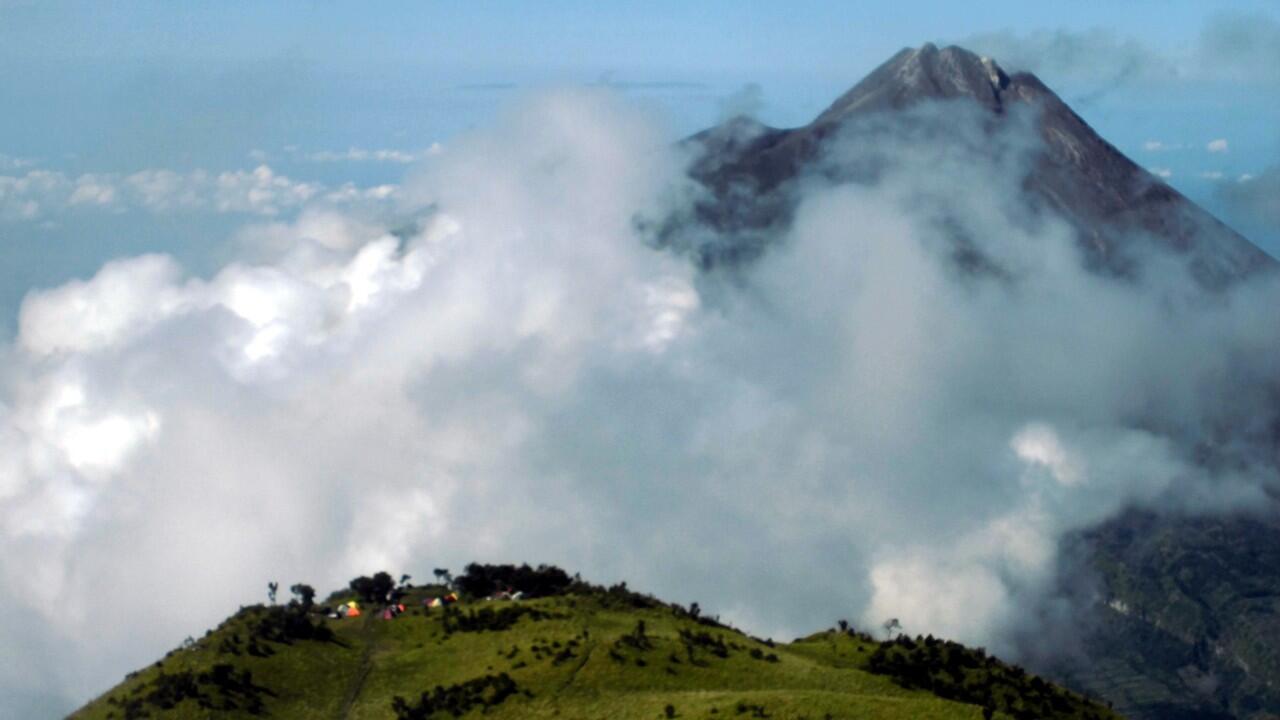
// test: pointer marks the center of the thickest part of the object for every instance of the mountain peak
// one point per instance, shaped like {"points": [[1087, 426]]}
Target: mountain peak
{"points": [[1110, 200], [923, 73]]}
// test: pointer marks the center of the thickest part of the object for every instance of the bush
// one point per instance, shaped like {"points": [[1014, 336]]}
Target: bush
{"points": [[953, 671], [487, 618], [288, 623], [458, 699], [220, 688]]}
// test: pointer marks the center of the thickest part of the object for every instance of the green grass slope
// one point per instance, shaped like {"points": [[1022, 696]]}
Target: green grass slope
{"points": [[584, 652]]}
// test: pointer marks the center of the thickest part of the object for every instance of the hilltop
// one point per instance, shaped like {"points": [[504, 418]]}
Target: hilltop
{"points": [[564, 649]]}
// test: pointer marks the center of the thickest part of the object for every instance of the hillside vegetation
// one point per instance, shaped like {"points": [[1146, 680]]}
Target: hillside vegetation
{"points": [[565, 649]]}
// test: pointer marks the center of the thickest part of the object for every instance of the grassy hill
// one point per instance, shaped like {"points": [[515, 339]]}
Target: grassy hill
{"points": [[577, 651]]}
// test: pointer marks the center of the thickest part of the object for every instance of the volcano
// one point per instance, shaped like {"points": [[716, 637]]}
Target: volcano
{"points": [[1182, 614], [1110, 201]]}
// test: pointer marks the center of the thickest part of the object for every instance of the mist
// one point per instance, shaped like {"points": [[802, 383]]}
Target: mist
{"points": [[504, 367]]}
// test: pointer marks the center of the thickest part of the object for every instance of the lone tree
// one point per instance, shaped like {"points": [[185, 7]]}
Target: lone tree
{"points": [[305, 595], [272, 587], [890, 626], [443, 576]]}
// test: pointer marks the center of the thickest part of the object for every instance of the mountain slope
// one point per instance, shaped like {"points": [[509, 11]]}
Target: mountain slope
{"points": [[1192, 617], [584, 652]]}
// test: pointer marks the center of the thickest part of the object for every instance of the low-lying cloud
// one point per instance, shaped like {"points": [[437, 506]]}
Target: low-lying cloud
{"points": [[852, 426], [39, 194]]}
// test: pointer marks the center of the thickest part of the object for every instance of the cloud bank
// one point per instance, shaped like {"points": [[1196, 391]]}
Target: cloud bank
{"points": [[853, 426], [39, 194]]}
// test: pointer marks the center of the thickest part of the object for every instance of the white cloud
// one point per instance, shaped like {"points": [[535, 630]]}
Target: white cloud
{"points": [[260, 191], [1162, 172], [93, 190], [1039, 446], [1154, 146], [9, 163], [1217, 146], [124, 298], [23, 197], [356, 154], [1212, 175]]}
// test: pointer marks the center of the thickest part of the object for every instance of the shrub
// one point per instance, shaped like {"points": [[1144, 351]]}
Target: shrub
{"points": [[458, 699]]}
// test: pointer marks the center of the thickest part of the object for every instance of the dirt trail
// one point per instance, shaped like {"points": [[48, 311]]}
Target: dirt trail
{"points": [[362, 673], [588, 647]]}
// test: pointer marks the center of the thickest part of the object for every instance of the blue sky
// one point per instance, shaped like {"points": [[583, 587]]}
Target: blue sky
{"points": [[103, 88]]}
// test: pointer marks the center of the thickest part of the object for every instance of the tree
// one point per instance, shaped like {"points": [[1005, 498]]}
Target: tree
{"points": [[443, 576], [373, 589], [543, 581], [305, 595], [272, 587], [404, 580], [383, 584], [362, 587], [844, 625], [890, 626]]}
